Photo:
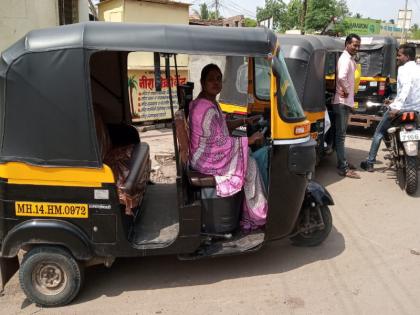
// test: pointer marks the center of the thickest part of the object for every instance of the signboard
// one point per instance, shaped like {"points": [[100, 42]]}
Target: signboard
{"points": [[146, 103], [363, 26], [404, 16]]}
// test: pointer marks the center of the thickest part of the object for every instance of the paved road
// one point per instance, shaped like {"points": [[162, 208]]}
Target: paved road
{"points": [[368, 265]]}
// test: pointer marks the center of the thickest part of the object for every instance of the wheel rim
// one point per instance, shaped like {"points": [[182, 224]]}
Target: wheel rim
{"points": [[49, 278]]}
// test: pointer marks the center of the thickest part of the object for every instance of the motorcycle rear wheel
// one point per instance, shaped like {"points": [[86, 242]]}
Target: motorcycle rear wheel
{"points": [[410, 174]]}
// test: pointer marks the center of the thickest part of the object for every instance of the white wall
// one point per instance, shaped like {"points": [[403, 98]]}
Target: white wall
{"points": [[18, 17]]}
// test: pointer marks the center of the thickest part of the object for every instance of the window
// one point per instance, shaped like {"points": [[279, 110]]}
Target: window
{"points": [[68, 11]]}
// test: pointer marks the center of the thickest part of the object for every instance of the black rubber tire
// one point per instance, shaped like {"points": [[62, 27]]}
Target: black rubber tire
{"points": [[317, 237], [410, 174], [60, 259]]}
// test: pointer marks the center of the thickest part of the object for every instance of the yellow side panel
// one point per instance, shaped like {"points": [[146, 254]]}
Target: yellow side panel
{"points": [[24, 174], [373, 79], [231, 108], [279, 128], [313, 117]]}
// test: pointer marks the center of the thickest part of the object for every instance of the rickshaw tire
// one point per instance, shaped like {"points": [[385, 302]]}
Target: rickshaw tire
{"points": [[411, 174], [56, 257], [317, 237]]}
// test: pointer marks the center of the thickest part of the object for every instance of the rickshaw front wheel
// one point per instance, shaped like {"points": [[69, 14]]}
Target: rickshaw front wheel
{"points": [[309, 237], [50, 276]]}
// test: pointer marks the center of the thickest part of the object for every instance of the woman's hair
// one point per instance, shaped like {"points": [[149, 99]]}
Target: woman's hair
{"points": [[206, 70]]}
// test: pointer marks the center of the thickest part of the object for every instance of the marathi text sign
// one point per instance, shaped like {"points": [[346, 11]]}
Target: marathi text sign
{"points": [[147, 103]]}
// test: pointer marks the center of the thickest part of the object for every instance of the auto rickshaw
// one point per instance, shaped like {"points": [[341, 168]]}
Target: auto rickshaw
{"points": [[64, 100], [311, 61], [377, 57]]}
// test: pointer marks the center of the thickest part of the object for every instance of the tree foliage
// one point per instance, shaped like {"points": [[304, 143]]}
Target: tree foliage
{"points": [[319, 14], [276, 9], [250, 22], [204, 11]]}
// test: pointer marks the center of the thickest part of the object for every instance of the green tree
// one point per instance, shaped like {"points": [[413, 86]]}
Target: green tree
{"points": [[204, 12], [392, 21], [250, 22], [276, 9], [321, 12], [414, 28], [132, 85], [214, 16], [357, 15], [294, 14]]}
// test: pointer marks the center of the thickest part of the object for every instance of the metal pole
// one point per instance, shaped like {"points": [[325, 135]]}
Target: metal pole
{"points": [[304, 8], [217, 9], [171, 103], [404, 34]]}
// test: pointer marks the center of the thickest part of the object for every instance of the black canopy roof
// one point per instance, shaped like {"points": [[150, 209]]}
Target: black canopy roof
{"points": [[49, 78], [306, 57], [147, 37]]}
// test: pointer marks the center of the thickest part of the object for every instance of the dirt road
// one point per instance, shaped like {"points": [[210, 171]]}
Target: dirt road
{"points": [[368, 265]]}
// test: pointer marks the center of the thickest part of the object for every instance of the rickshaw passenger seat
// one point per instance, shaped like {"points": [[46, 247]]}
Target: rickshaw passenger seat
{"points": [[195, 178], [128, 158]]}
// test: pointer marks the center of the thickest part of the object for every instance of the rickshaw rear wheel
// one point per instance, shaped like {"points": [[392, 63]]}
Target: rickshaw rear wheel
{"points": [[50, 276], [316, 237]]}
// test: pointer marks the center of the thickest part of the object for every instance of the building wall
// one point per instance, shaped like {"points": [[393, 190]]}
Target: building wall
{"points": [[149, 12], [18, 17], [111, 11], [134, 11]]}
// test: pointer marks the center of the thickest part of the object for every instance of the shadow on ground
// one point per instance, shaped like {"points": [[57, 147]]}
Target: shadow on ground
{"points": [[151, 273]]}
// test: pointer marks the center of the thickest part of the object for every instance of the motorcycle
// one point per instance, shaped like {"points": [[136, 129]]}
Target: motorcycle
{"points": [[404, 136]]}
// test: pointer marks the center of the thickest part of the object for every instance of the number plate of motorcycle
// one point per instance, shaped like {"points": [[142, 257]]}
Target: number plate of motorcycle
{"points": [[409, 135]]}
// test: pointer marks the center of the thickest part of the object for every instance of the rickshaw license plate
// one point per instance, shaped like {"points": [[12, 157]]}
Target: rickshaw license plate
{"points": [[410, 135], [356, 105], [49, 209]]}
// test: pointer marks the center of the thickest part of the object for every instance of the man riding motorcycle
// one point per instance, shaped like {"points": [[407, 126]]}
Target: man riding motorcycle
{"points": [[408, 98]]}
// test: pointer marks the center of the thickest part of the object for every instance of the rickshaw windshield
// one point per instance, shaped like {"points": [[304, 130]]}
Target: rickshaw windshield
{"points": [[262, 78], [288, 102]]}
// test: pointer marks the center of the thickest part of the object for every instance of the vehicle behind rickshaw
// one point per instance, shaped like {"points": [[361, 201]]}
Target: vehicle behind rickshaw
{"points": [[72, 167], [311, 61], [377, 57]]}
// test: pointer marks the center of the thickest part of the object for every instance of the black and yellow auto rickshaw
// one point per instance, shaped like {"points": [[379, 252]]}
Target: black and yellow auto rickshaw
{"points": [[311, 61], [64, 100], [377, 57]]}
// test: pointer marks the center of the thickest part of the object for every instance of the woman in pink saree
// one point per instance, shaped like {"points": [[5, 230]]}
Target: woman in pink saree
{"points": [[213, 151]]}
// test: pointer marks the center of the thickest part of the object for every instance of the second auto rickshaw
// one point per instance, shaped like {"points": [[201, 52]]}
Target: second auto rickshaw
{"points": [[311, 61], [64, 205], [377, 57]]}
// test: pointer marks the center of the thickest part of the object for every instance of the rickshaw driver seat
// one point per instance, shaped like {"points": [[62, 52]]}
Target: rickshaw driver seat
{"points": [[130, 162], [195, 178]]}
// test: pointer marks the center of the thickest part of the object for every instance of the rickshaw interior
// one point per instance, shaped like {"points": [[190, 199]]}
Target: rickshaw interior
{"points": [[155, 222]]}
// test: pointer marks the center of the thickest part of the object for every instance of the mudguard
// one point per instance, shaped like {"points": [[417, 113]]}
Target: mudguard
{"points": [[47, 232], [8, 267], [319, 193]]}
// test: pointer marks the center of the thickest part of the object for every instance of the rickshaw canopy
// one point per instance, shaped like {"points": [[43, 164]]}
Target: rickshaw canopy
{"points": [[307, 59], [377, 56], [49, 78]]}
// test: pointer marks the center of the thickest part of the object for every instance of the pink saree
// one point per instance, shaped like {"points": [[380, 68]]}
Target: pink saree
{"points": [[214, 152]]}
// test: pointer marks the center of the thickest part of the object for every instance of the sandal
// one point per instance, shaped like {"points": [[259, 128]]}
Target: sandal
{"points": [[351, 166], [349, 173]]}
